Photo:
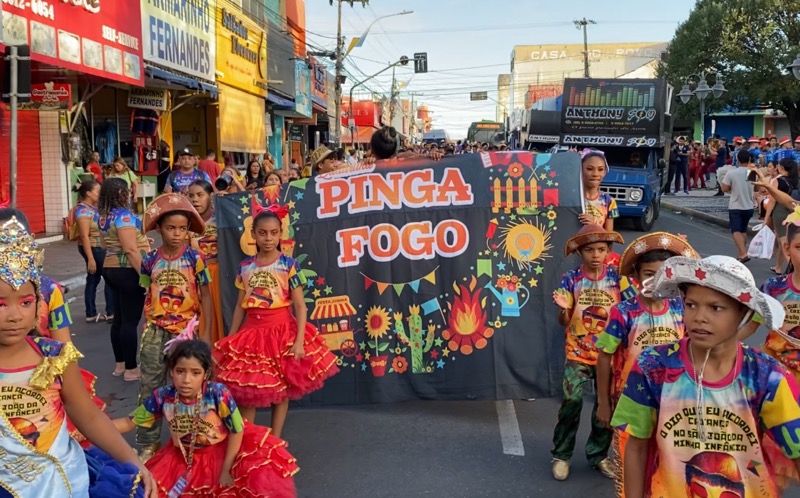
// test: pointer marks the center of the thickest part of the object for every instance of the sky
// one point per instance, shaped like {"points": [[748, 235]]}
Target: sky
{"points": [[470, 42]]}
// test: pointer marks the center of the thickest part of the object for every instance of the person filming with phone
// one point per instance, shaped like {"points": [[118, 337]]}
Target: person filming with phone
{"points": [[740, 205]]}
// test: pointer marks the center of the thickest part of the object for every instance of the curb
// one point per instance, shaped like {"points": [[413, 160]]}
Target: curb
{"points": [[716, 220]]}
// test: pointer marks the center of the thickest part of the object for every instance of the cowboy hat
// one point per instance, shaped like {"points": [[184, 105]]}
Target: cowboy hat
{"points": [[653, 242], [723, 274], [590, 234], [169, 203], [319, 154]]}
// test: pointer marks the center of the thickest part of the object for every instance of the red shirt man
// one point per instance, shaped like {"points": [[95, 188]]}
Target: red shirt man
{"points": [[210, 166], [94, 167]]}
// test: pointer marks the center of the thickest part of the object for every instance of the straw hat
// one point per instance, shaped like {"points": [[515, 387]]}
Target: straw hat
{"points": [[590, 234], [319, 154], [723, 274], [167, 203], [652, 242]]}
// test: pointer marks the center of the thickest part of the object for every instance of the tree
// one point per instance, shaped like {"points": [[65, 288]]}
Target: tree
{"points": [[748, 43]]}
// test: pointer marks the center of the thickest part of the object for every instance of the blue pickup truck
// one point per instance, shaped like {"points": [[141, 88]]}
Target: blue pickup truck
{"points": [[635, 185], [630, 120]]}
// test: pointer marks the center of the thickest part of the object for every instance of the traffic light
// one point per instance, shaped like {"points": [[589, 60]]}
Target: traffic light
{"points": [[421, 62]]}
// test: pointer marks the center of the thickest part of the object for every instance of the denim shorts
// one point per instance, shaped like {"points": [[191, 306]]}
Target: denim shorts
{"points": [[739, 219]]}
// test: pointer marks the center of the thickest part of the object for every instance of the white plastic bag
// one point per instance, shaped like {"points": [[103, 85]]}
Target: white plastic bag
{"points": [[762, 244]]}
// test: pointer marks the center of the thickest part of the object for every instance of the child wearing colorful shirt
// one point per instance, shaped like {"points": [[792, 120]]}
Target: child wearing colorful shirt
{"points": [[213, 451], [635, 324], [600, 207], [585, 296], [699, 411], [176, 280], [271, 355]]}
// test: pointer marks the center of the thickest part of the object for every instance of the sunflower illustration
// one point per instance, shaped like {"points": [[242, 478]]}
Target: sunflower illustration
{"points": [[377, 322], [551, 215]]}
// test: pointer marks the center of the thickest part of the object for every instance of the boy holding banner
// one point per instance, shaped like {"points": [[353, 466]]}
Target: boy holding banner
{"points": [[585, 296]]}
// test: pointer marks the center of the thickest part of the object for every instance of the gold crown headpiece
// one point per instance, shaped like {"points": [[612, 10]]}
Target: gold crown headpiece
{"points": [[20, 255]]}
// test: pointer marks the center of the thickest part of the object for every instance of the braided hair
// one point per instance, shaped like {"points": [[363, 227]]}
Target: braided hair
{"points": [[114, 193]]}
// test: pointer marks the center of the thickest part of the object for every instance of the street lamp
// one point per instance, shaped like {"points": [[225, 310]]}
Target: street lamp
{"points": [[359, 40], [702, 91], [795, 67]]}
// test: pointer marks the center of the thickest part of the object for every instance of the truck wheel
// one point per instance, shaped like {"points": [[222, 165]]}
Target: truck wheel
{"points": [[645, 223]]}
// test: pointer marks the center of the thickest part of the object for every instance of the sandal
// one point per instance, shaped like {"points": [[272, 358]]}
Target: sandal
{"points": [[119, 369], [744, 260], [109, 318], [94, 319], [136, 376]]}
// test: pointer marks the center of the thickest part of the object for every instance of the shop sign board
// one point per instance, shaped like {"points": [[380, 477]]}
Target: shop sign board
{"points": [[51, 95], [302, 79], [241, 50], [88, 36], [180, 35], [148, 98]]}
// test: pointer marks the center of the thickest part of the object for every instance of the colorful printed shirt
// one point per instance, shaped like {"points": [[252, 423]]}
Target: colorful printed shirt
{"points": [[218, 414], [109, 230], [180, 181], [174, 284], [53, 308], [269, 286], [601, 208], [206, 243], [37, 415], [90, 212], [631, 329], [781, 345], [724, 456], [591, 304]]}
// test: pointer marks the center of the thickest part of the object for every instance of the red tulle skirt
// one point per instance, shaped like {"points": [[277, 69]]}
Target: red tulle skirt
{"points": [[257, 366], [88, 380], [263, 468]]}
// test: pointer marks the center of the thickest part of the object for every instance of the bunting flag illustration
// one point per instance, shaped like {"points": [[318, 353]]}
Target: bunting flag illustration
{"points": [[399, 286]]}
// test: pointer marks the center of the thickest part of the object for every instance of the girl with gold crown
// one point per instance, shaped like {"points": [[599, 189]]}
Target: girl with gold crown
{"points": [[41, 385]]}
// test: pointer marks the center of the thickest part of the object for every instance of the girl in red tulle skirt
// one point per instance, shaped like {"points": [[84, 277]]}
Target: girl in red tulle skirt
{"points": [[214, 452], [271, 357]]}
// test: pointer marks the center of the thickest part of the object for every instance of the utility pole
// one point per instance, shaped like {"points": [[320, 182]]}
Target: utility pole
{"points": [[582, 24], [339, 63], [391, 98]]}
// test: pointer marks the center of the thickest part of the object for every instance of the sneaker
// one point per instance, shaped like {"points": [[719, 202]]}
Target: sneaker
{"points": [[606, 468], [686, 192], [560, 469], [148, 451], [719, 194]]}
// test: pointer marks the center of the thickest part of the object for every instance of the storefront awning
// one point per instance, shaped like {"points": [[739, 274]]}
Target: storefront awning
{"points": [[279, 101], [241, 121], [177, 79]]}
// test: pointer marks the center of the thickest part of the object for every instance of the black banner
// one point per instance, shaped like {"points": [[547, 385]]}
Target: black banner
{"points": [[427, 280]]}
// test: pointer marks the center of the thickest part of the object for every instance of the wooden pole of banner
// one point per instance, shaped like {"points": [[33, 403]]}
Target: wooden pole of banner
{"points": [[14, 86]]}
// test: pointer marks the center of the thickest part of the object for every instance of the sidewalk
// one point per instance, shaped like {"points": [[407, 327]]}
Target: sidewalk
{"points": [[703, 205], [64, 264]]}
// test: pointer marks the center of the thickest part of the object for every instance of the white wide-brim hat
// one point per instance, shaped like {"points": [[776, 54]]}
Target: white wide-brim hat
{"points": [[723, 274]]}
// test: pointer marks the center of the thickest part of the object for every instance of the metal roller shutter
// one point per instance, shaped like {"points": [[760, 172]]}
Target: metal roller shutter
{"points": [[30, 188]]}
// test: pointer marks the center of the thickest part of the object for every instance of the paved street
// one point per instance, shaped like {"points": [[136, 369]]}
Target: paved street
{"points": [[442, 449]]}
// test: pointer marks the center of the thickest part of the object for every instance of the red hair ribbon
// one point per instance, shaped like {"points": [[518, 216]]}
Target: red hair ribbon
{"points": [[278, 210]]}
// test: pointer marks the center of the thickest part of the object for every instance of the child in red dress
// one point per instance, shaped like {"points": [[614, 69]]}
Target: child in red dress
{"points": [[202, 416], [271, 356]]}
